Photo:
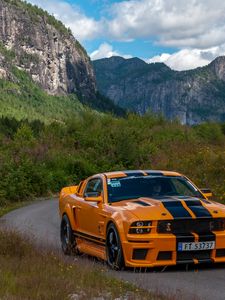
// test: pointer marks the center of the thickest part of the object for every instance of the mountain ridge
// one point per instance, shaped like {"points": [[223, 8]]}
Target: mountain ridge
{"points": [[186, 95], [35, 42], [45, 49]]}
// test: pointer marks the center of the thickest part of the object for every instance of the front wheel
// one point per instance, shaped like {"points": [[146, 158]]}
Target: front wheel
{"points": [[68, 241], [114, 249]]}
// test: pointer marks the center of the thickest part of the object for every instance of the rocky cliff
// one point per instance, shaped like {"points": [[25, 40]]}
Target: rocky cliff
{"points": [[191, 96], [44, 48]]}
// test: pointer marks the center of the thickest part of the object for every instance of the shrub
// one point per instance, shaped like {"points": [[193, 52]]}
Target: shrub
{"points": [[36, 159]]}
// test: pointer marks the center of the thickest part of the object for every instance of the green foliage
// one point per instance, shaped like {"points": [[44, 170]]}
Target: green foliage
{"points": [[104, 104], [211, 132], [26, 59], [80, 48], [8, 54], [23, 99], [36, 159]]}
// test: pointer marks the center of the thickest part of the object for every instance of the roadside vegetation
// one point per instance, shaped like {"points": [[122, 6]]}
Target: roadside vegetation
{"points": [[28, 273], [38, 159]]}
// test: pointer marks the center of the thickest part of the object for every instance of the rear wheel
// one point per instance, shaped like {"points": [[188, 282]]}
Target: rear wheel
{"points": [[68, 240], [114, 249]]}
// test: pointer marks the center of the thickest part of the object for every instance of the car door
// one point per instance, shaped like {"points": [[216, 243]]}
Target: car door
{"points": [[90, 217]]}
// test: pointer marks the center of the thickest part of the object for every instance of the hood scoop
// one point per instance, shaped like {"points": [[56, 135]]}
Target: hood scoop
{"points": [[142, 203]]}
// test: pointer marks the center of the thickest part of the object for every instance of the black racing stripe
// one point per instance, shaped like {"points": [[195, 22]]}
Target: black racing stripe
{"points": [[176, 209], [90, 237], [198, 209], [153, 173], [183, 256], [207, 237], [134, 173]]}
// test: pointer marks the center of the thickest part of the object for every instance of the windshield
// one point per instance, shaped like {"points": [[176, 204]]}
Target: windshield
{"points": [[148, 186]]}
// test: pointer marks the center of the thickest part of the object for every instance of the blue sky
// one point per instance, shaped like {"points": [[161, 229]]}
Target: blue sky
{"points": [[98, 9], [183, 34]]}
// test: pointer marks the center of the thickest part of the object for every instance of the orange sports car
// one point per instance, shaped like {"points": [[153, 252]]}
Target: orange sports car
{"points": [[142, 219]]}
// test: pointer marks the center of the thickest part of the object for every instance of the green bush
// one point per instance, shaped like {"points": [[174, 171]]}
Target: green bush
{"points": [[36, 159]]}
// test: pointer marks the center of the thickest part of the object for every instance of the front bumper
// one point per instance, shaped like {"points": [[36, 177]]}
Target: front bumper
{"points": [[161, 250]]}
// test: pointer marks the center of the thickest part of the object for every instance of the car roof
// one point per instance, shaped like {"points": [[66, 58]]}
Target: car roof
{"points": [[137, 173]]}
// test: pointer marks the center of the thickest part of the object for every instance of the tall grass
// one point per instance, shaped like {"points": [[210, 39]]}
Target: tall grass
{"points": [[28, 273]]}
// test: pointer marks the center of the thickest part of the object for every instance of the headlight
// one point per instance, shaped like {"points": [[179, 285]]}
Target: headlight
{"points": [[140, 227]]}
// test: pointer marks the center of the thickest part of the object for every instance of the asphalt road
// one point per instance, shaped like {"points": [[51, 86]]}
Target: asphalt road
{"points": [[40, 221]]}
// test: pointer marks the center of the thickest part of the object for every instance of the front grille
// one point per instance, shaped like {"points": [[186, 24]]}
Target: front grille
{"points": [[200, 226], [190, 255], [140, 254]]}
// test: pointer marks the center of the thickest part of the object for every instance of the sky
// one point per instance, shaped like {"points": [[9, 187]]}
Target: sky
{"points": [[184, 34]]}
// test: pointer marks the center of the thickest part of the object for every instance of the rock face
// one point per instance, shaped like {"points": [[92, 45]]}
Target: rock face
{"points": [[45, 49], [191, 96]]}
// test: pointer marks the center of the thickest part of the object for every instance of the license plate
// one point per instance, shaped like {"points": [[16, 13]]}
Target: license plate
{"points": [[196, 246]]}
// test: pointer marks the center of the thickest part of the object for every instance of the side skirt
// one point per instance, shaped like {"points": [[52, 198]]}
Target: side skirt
{"points": [[90, 245]]}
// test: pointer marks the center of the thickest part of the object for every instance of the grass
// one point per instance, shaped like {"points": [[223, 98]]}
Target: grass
{"points": [[28, 273], [7, 207]]}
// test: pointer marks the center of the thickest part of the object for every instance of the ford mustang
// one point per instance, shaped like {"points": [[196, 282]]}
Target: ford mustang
{"points": [[142, 218]]}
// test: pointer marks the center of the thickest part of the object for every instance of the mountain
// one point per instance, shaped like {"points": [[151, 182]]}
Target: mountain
{"points": [[34, 42], [191, 96]]}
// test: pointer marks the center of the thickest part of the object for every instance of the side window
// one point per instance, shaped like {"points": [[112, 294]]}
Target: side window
{"points": [[184, 188], [93, 187]]}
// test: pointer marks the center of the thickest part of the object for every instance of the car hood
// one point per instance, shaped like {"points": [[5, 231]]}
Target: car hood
{"points": [[171, 207]]}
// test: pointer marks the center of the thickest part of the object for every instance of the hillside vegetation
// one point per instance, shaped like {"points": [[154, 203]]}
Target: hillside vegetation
{"points": [[24, 99], [21, 98], [38, 159]]}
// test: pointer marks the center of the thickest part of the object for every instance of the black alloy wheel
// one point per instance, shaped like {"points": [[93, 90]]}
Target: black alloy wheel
{"points": [[68, 241], [114, 249]]}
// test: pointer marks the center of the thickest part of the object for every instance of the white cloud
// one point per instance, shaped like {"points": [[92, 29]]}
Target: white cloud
{"points": [[174, 23], [177, 23], [196, 27], [83, 28], [187, 59], [106, 50], [162, 58]]}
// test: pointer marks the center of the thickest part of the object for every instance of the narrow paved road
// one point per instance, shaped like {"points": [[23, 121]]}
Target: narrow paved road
{"points": [[40, 221]]}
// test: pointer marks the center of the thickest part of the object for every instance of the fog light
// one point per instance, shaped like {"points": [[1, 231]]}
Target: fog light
{"points": [[164, 227]]}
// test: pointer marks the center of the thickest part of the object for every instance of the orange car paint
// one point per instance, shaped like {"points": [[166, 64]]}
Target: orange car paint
{"points": [[89, 221]]}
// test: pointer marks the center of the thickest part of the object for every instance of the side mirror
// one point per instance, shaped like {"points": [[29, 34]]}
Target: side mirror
{"points": [[93, 197], [207, 193]]}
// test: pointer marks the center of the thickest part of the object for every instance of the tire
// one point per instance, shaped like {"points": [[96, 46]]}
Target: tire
{"points": [[68, 240], [114, 251]]}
